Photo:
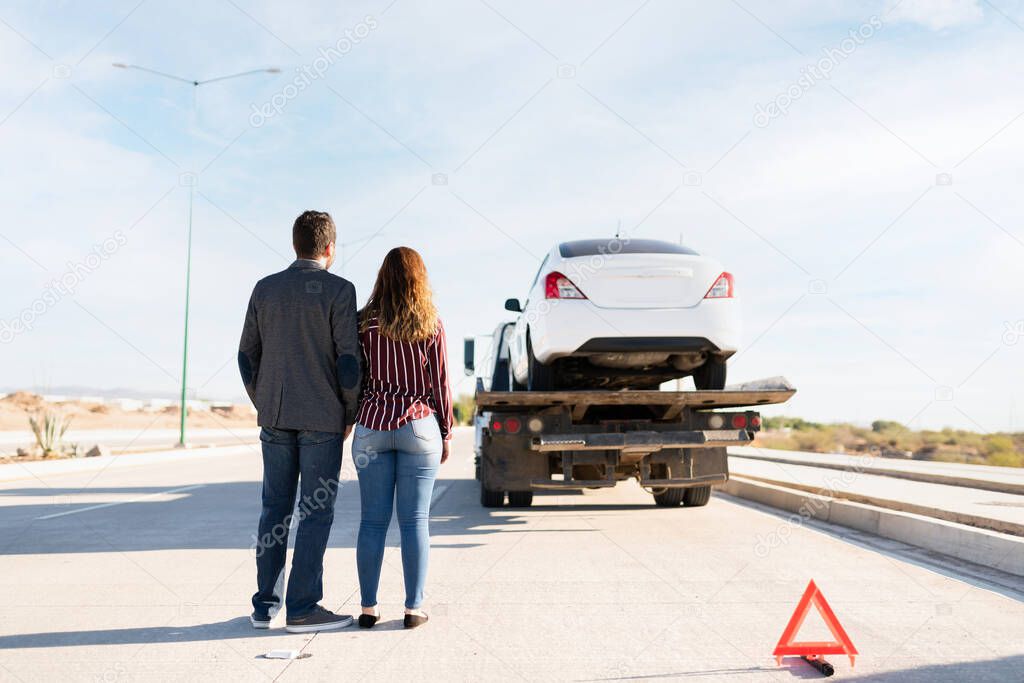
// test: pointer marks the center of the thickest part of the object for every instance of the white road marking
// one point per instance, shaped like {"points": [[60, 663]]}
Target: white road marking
{"points": [[121, 502]]}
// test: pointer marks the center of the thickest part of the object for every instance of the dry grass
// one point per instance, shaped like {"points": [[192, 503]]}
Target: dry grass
{"points": [[892, 439]]}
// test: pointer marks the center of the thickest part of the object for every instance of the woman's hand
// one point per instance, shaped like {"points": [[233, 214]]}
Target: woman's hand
{"points": [[444, 451]]}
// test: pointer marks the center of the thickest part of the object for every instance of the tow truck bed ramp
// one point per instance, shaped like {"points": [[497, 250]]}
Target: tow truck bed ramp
{"points": [[760, 392]]}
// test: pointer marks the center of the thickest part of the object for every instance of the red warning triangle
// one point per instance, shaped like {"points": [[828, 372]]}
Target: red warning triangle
{"points": [[840, 646]]}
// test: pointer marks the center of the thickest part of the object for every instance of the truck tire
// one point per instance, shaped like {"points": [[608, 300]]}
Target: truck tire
{"points": [[669, 498], [491, 499], [488, 498], [710, 376], [520, 499], [696, 497], [540, 377]]}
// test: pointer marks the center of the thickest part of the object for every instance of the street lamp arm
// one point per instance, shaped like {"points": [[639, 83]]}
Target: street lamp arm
{"points": [[154, 71], [244, 73]]}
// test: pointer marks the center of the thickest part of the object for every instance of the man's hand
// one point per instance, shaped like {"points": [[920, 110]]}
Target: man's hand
{"points": [[348, 430], [444, 451]]}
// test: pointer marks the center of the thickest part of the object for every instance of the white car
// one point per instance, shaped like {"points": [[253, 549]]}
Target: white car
{"points": [[624, 313]]}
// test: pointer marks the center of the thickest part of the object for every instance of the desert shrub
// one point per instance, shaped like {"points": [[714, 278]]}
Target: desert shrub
{"points": [[1005, 459], [946, 445], [463, 408], [48, 428], [879, 426], [816, 440], [1000, 451]]}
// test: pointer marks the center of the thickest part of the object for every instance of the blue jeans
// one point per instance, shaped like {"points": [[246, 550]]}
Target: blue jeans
{"points": [[291, 457], [396, 467]]}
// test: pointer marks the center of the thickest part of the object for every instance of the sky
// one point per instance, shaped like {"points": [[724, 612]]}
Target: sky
{"points": [[855, 164]]}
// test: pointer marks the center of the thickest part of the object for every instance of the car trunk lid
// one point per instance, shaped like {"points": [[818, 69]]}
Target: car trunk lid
{"points": [[644, 280]]}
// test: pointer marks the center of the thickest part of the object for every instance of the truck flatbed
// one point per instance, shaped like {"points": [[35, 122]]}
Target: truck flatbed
{"points": [[762, 392], [672, 442]]}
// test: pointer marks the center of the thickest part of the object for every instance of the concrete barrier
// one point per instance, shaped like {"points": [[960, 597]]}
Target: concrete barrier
{"points": [[974, 480], [982, 522], [981, 546]]}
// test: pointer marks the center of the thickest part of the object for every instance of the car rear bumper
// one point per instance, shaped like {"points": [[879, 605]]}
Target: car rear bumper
{"points": [[653, 344], [581, 328]]}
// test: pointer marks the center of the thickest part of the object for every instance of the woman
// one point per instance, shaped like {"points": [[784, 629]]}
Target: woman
{"points": [[403, 428]]}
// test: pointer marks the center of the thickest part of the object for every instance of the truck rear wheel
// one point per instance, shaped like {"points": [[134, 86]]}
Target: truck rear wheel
{"points": [[696, 497], [669, 498], [491, 499], [710, 376], [520, 499], [488, 498]]}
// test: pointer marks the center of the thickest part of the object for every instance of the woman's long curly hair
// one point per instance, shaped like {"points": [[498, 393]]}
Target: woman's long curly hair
{"points": [[401, 299]]}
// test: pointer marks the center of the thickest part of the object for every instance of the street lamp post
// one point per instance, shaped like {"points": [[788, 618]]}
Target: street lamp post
{"points": [[191, 191]]}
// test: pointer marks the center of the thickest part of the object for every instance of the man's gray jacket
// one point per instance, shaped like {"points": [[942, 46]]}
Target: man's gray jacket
{"points": [[299, 354]]}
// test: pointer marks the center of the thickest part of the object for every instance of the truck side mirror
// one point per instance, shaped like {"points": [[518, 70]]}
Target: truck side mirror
{"points": [[468, 350], [513, 305]]}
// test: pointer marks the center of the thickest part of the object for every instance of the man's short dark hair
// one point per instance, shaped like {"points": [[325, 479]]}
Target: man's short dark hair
{"points": [[312, 232]]}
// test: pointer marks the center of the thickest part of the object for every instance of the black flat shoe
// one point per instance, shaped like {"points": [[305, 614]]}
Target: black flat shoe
{"points": [[414, 620], [367, 620]]}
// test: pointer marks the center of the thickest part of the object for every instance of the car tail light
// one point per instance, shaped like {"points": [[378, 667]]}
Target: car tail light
{"points": [[558, 286], [722, 289], [739, 421]]}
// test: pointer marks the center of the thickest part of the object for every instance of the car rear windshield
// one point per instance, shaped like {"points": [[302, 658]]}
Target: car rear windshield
{"points": [[620, 246]]}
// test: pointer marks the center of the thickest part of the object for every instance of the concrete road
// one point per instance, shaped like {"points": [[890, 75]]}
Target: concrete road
{"points": [[144, 572]]}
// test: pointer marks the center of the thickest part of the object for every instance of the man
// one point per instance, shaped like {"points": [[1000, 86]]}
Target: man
{"points": [[299, 359]]}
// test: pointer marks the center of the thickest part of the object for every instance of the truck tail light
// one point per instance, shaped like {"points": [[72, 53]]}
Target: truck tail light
{"points": [[722, 289], [755, 422], [558, 286], [510, 425], [739, 421]]}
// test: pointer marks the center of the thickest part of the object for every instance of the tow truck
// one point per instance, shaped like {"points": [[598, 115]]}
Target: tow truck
{"points": [[672, 442]]}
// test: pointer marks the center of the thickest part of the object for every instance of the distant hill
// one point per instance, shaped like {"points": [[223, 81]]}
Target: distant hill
{"points": [[114, 393]]}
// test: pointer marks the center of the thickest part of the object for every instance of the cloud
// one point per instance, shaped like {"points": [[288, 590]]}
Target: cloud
{"points": [[820, 184], [935, 14]]}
